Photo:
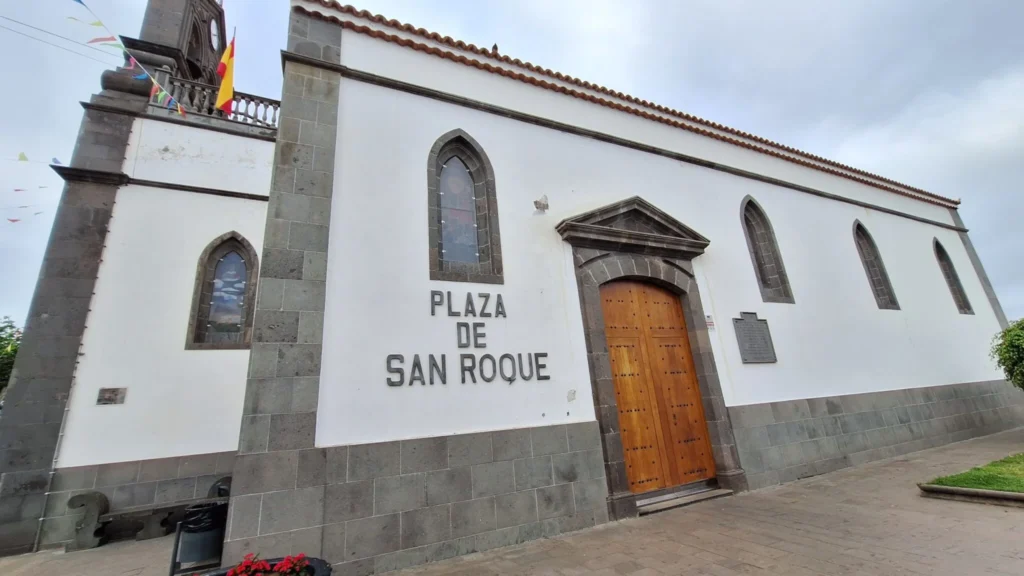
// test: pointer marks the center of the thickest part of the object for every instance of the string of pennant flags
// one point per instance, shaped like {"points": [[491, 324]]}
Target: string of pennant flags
{"points": [[162, 97]]}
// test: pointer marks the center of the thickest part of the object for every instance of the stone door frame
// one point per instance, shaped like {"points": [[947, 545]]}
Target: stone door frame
{"points": [[608, 246]]}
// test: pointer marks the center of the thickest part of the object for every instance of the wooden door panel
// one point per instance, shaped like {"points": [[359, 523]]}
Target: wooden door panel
{"points": [[661, 416], [637, 414], [682, 411]]}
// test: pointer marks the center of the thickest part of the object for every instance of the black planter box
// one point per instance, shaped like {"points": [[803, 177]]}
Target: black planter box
{"points": [[317, 567]]}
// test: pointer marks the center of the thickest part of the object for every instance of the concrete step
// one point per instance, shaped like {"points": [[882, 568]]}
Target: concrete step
{"points": [[682, 500]]}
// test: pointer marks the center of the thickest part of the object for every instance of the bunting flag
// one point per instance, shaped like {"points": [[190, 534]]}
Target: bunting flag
{"points": [[14, 220], [154, 90], [97, 23], [19, 189], [55, 161], [22, 157], [131, 63], [142, 76], [43, 187], [37, 213], [226, 71], [102, 39]]}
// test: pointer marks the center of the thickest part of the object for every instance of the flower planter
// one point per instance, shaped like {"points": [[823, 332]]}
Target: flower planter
{"points": [[317, 567]]}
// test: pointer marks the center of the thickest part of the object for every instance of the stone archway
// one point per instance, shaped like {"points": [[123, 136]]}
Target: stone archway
{"points": [[634, 240]]}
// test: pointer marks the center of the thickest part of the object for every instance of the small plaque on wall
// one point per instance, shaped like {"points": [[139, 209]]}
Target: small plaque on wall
{"points": [[111, 396], [754, 339]]}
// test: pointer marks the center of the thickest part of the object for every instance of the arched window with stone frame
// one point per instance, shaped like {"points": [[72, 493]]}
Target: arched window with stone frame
{"points": [[764, 253], [224, 296], [878, 278], [462, 212], [956, 289]]}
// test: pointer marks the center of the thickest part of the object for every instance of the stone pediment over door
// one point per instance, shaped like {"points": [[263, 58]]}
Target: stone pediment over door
{"points": [[633, 225]]}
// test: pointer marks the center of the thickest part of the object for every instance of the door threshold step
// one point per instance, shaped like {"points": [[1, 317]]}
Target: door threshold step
{"points": [[683, 500]]}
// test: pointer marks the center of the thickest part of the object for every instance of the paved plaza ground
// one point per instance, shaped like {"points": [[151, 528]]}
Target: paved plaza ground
{"points": [[866, 520]]}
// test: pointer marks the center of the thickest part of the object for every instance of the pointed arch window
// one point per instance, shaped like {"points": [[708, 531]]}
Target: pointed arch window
{"points": [[956, 289], [878, 279], [223, 300], [765, 254], [462, 212]]}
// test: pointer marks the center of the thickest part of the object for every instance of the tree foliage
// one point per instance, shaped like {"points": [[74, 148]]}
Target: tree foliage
{"points": [[1008, 352], [10, 338]]}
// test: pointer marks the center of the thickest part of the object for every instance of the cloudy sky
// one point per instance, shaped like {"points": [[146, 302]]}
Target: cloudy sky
{"points": [[928, 92]]}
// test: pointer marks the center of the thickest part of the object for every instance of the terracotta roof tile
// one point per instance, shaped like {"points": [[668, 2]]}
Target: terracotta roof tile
{"points": [[837, 169]]}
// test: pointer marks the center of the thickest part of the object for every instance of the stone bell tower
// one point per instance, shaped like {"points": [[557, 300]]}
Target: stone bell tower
{"points": [[185, 38], [190, 32]]}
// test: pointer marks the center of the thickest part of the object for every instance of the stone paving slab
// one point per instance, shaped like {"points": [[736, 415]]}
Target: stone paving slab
{"points": [[866, 520]]}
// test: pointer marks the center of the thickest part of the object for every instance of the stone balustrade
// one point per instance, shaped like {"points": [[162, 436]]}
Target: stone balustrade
{"points": [[200, 99]]}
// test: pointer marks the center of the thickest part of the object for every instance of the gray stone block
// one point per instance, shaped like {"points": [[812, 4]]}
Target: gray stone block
{"points": [[469, 449], [275, 326], [133, 495], [349, 501], [291, 510], [368, 461], [533, 472], [159, 469], [311, 328], [244, 518], [255, 434], [333, 544], [267, 396], [772, 458], [267, 472], [175, 490], [516, 508], [752, 438], [473, 517], [424, 454], [790, 410], [372, 536], [751, 461], [555, 501], [312, 468], [399, 493], [77, 478], [575, 466], [308, 237], [426, 526], [314, 267], [305, 393], [200, 464], [751, 416], [282, 264], [512, 444], [337, 464], [292, 431], [492, 479], [792, 454], [399, 560], [364, 567], [120, 473], [497, 539], [298, 360], [584, 436], [549, 440], [445, 486], [304, 295], [590, 494]]}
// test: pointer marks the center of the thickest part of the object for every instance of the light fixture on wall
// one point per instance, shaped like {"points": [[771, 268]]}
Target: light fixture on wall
{"points": [[541, 203]]}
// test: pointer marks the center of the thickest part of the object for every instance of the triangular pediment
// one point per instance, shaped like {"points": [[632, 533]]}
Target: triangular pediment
{"points": [[633, 225]]}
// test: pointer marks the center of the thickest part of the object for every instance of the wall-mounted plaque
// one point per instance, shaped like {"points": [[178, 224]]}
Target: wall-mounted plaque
{"points": [[111, 396], [754, 339]]}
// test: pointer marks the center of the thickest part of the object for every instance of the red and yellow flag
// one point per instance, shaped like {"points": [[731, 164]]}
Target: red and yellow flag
{"points": [[226, 71]]}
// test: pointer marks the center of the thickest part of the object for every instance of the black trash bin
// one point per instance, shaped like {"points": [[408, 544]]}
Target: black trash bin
{"points": [[202, 532]]}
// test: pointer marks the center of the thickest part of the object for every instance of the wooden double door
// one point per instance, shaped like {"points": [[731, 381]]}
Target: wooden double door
{"points": [[661, 416]]}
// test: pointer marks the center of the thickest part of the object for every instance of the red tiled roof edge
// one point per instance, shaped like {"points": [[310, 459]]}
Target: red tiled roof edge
{"points": [[925, 196]]}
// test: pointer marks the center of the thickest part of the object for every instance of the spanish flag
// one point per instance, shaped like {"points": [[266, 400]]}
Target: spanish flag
{"points": [[226, 71]]}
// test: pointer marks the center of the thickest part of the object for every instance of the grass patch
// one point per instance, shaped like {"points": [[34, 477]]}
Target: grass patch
{"points": [[1006, 475]]}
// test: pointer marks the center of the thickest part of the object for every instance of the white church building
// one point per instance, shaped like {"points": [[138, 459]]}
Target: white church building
{"points": [[438, 300]]}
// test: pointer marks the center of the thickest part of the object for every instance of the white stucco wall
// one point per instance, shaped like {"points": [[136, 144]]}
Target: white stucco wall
{"points": [[179, 401], [833, 340], [178, 154]]}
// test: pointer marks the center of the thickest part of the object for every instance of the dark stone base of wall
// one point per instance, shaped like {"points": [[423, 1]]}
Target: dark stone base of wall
{"points": [[375, 508], [784, 441], [127, 484]]}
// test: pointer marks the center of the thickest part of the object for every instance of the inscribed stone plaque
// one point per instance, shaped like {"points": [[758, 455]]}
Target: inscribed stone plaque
{"points": [[754, 339], [109, 396]]}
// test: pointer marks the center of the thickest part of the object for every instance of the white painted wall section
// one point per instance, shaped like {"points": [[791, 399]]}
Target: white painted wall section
{"points": [[177, 154], [833, 340], [179, 401]]}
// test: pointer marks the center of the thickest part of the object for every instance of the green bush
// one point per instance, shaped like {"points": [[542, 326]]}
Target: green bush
{"points": [[1008, 352]]}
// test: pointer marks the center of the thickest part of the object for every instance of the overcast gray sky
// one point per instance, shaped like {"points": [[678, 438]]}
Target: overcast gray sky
{"points": [[928, 92]]}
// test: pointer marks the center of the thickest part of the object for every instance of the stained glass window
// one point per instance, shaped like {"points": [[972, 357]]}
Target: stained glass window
{"points": [[458, 213], [952, 280], [227, 304]]}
